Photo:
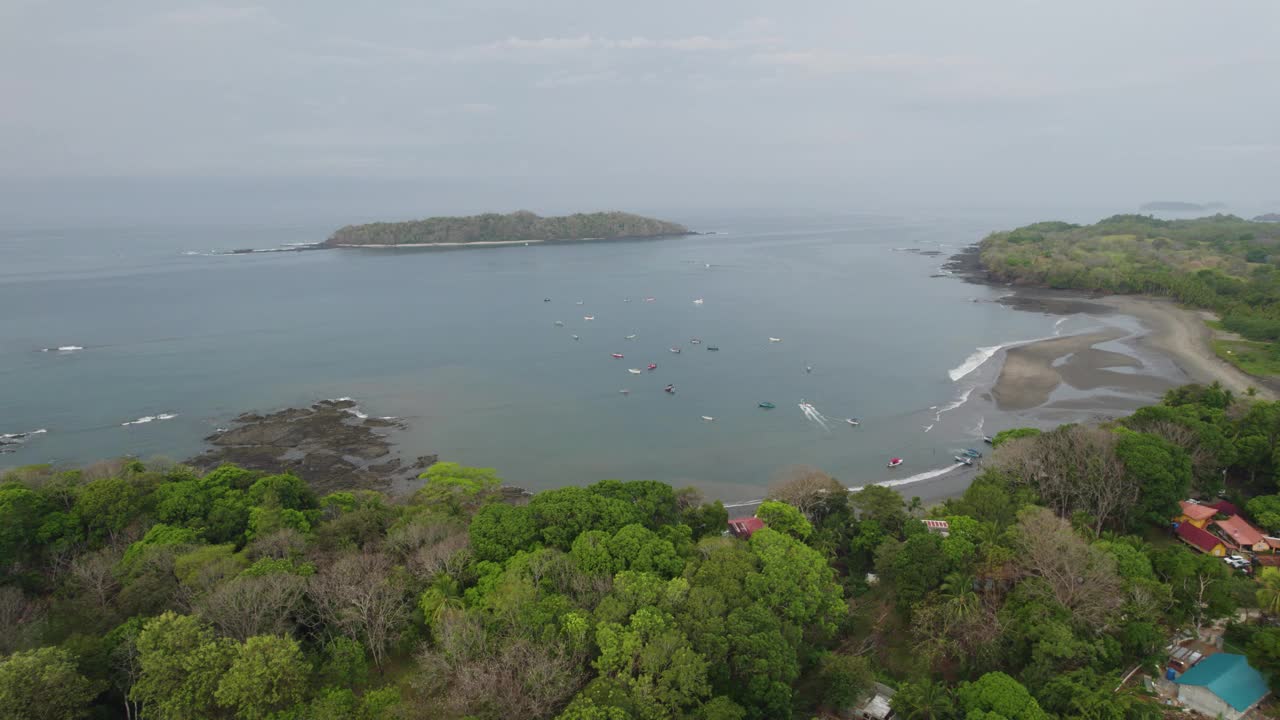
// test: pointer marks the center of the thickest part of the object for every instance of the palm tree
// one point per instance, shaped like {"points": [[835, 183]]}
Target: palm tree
{"points": [[961, 599], [1268, 594], [923, 700]]}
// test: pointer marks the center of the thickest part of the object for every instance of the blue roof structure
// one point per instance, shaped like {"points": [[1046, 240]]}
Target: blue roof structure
{"points": [[1230, 677]]}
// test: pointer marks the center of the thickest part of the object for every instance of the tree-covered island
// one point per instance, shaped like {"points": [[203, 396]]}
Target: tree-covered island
{"points": [[494, 228]]}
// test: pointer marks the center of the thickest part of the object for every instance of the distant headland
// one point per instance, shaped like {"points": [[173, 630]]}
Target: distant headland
{"points": [[497, 229], [1268, 217], [1179, 206]]}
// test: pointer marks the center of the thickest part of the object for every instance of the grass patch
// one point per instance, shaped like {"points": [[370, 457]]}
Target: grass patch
{"points": [[1251, 357]]}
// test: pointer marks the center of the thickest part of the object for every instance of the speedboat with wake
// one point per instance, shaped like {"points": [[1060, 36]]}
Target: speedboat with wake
{"points": [[895, 462], [852, 421]]}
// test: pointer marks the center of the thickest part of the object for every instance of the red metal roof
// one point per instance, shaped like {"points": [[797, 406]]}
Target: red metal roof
{"points": [[1224, 507], [1196, 511], [743, 527], [1240, 531], [1197, 537]]}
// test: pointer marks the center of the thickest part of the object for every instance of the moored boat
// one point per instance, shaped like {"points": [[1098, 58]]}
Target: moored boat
{"points": [[559, 323], [988, 440], [713, 348], [630, 337], [653, 366], [698, 301], [970, 452], [895, 462], [675, 350], [766, 405], [575, 337], [775, 340], [670, 389], [708, 418], [616, 356], [964, 459], [695, 341], [588, 317]]}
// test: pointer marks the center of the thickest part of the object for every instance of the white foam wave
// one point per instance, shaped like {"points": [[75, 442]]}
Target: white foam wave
{"points": [[342, 399], [22, 435], [1057, 326], [357, 413], [927, 475], [961, 399], [63, 348], [149, 419], [973, 362]]}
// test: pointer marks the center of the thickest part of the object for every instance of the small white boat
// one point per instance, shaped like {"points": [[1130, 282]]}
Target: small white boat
{"points": [[708, 418], [808, 368], [575, 337], [775, 339], [626, 299], [698, 301], [634, 371], [588, 317], [695, 341], [649, 299], [895, 462], [707, 265], [675, 350], [630, 337], [964, 460], [559, 323], [852, 421], [625, 392], [579, 302]]}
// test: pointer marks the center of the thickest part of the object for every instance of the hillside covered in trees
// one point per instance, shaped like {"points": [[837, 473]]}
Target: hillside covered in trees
{"points": [[1222, 263], [131, 590], [522, 226]]}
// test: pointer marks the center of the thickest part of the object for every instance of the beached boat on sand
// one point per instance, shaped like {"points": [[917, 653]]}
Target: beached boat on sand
{"points": [[895, 462], [970, 452], [964, 459], [988, 440]]}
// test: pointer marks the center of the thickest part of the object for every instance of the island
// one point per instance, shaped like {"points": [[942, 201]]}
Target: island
{"points": [[1223, 264], [498, 229], [1268, 217], [1179, 206]]}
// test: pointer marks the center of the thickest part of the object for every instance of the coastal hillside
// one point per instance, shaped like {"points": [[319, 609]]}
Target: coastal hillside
{"points": [[1053, 585], [1221, 263], [521, 226]]}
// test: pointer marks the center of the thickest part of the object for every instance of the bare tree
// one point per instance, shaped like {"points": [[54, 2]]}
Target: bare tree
{"points": [[94, 574], [18, 616], [1078, 576], [246, 606], [357, 596], [1073, 468], [281, 544], [806, 488]]}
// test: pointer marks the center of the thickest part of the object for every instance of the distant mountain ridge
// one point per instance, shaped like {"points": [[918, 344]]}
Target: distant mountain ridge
{"points": [[1179, 206], [516, 227]]}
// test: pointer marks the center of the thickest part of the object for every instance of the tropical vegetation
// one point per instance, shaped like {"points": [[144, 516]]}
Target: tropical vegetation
{"points": [[134, 589], [1222, 263]]}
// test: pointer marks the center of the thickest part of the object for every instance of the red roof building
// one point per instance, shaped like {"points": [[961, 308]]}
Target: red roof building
{"points": [[744, 527], [1200, 539], [1242, 534], [1195, 513], [1224, 508]]}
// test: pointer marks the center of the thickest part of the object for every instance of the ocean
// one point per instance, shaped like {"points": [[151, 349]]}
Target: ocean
{"points": [[167, 341]]}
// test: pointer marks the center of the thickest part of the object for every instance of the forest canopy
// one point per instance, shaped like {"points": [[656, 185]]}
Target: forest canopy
{"points": [[521, 226]]}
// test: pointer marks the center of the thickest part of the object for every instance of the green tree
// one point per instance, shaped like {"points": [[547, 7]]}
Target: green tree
{"points": [[564, 514], [996, 696], [108, 506], [1265, 510], [20, 515], [651, 656], [457, 489], [267, 674], [181, 663], [923, 700], [44, 684], [1263, 652], [499, 531], [1005, 436], [1162, 471], [785, 518], [843, 679], [795, 581], [881, 504]]}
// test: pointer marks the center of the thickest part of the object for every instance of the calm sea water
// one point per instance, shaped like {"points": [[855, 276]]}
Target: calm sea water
{"points": [[462, 346]]}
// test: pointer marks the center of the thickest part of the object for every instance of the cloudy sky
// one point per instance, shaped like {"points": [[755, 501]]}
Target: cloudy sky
{"points": [[723, 102]]}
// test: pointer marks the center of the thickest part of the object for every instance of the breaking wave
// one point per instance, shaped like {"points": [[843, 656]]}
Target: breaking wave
{"points": [[149, 419], [63, 348]]}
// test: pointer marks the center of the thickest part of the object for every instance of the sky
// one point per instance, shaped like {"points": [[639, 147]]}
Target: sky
{"points": [[401, 107]]}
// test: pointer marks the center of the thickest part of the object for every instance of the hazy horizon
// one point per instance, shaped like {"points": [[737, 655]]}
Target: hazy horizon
{"points": [[241, 109]]}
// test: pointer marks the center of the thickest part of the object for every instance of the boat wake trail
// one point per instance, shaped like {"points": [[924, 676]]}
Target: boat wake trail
{"points": [[811, 413], [927, 475]]}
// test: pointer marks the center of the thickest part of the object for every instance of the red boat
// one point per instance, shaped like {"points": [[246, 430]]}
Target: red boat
{"points": [[895, 462], [653, 366], [617, 355]]}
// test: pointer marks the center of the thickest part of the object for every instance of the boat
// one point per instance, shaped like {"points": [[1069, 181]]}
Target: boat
{"points": [[964, 460], [634, 371], [853, 421], [588, 317], [670, 389], [626, 299], [617, 356], [579, 302], [808, 368], [767, 405], [713, 348], [675, 350], [708, 418], [575, 337], [546, 299], [653, 366], [895, 462], [630, 337], [695, 341], [698, 301], [625, 392], [559, 323], [649, 299], [970, 452], [988, 440], [772, 339]]}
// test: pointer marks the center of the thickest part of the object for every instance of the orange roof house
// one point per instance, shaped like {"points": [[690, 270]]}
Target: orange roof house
{"points": [[1195, 513], [1241, 534]]}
